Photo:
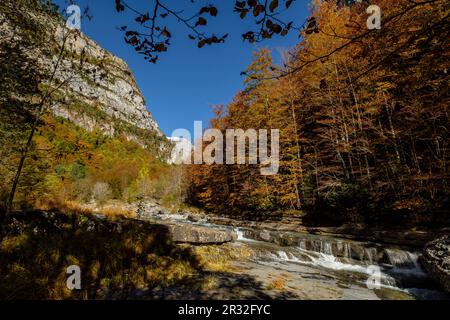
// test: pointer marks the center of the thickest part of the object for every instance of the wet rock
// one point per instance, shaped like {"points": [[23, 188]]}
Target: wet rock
{"points": [[357, 253], [185, 227], [265, 236], [400, 237], [194, 217], [193, 234], [436, 261]]}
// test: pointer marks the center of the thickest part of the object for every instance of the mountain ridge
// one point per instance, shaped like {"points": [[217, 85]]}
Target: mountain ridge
{"points": [[100, 91]]}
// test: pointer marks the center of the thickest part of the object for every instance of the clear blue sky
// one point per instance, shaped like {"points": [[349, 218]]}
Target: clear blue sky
{"points": [[186, 81]]}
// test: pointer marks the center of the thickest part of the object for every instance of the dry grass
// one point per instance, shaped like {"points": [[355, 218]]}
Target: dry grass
{"points": [[219, 258], [115, 256], [209, 283], [277, 284], [110, 210], [212, 259], [117, 212]]}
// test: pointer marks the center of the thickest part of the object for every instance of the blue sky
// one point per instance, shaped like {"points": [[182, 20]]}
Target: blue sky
{"points": [[186, 81]]}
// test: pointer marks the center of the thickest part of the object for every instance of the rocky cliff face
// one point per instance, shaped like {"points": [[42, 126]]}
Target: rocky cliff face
{"points": [[91, 87], [103, 81]]}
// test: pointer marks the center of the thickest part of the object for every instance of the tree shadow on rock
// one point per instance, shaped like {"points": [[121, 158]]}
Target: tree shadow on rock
{"points": [[115, 257], [216, 286]]}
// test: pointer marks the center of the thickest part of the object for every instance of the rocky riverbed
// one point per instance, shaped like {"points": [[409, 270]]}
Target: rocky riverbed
{"points": [[292, 264], [186, 256]]}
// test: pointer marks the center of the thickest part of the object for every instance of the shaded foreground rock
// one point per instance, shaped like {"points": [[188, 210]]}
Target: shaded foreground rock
{"points": [[436, 261], [193, 234]]}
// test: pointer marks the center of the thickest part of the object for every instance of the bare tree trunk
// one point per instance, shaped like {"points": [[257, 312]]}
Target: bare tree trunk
{"points": [[297, 145], [391, 128], [20, 167], [41, 107]]}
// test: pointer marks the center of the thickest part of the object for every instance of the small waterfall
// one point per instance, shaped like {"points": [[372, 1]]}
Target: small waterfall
{"points": [[348, 260], [370, 255], [287, 256], [241, 235], [325, 248], [359, 252], [329, 261], [405, 264], [302, 245], [324, 260], [401, 258], [399, 267]]}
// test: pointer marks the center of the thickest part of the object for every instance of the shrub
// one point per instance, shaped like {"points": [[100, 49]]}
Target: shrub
{"points": [[101, 192], [116, 257], [79, 171], [84, 189]]}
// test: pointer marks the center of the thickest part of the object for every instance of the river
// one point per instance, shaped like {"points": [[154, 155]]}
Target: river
{"points": [[358, 270], [308, 266]]}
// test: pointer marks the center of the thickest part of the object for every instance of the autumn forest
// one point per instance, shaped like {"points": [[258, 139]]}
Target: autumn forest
{"points": [[363, 120], [94, 207]]}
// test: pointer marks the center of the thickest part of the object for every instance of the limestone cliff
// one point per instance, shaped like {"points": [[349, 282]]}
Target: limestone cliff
{"points": [[91, 87], [104, 81]]}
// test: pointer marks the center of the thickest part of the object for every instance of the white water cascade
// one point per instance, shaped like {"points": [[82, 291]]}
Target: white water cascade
{"points": [[397, 266]]}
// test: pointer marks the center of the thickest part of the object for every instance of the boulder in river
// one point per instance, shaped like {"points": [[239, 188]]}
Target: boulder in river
{"points": [[436, 261], [200, 235]]}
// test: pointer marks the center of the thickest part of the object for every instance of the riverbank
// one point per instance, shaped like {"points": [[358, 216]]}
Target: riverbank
{"points": [[417, 236], [308, 259], [196, 258], [390, 234]]}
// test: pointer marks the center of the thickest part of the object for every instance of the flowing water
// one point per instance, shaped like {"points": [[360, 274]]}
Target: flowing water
{"points": [[360, 270], [366, 264]]}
